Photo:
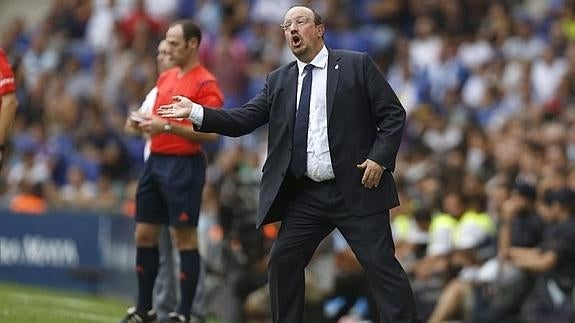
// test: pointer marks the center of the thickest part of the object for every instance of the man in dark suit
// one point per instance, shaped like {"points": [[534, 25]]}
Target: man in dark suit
{"points": [[328, 166]]}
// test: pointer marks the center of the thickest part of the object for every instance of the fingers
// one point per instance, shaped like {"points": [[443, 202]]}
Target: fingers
{"points": [[165, 107], [176, 99], [166, 111], [169, 111], [138, 117], [174, 111], [145, 125], [151, 125], [180, 108], [181, 100], [371, 175], [365, 178]]}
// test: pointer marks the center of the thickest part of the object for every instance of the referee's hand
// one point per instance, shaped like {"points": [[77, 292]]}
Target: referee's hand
{"points": [[152, 125]]}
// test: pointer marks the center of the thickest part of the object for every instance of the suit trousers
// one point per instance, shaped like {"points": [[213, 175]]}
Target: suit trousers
{"points": [[314, 210]]}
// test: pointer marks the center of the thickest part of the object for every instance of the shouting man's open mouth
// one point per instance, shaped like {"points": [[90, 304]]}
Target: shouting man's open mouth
{"points": [[295, 40]]}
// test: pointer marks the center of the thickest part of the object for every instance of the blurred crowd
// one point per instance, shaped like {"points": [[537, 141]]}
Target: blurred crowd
{"points": [[486, 170]]}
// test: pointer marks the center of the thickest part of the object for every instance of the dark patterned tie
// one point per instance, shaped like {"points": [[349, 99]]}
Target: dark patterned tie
{"points": [[298, 164]]}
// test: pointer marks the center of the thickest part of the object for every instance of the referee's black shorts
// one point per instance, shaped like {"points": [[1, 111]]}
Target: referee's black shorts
{"points": [[170, 190]]}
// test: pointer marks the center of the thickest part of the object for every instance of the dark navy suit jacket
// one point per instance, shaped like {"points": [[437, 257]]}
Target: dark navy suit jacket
{"points": [[365, 120]]}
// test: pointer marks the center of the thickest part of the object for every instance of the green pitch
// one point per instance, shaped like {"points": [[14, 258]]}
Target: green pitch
{"points": [[22, 303], [19, 303]]}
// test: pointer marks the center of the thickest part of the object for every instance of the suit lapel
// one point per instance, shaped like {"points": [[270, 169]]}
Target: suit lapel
{"points": [[332, 80], [290, 88]]}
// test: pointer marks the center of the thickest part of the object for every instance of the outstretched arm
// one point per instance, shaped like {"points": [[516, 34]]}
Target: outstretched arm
{"points": [[229, 122]]}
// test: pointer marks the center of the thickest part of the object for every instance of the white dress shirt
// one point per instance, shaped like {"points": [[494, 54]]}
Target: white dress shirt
{"points": [[319, 166], [146, 108]]}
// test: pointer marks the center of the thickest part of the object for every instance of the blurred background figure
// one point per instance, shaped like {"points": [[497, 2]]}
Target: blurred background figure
{"points": [[8, 102]]}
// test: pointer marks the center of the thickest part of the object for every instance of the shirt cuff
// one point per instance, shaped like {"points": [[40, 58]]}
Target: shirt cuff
{"points": [[197, 114]]}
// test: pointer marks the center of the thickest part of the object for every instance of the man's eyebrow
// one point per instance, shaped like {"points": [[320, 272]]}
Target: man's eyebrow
{"points": [[296, 18]]}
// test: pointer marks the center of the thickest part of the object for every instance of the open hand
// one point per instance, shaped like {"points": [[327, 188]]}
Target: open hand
{"points": [[180, 108]]}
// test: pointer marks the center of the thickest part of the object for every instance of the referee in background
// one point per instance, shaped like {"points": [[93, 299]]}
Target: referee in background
{"points": [[170, 188]]}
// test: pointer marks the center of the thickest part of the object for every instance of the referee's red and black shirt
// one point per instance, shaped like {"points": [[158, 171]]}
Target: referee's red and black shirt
{"points": [[198, 85], [7, 83]]}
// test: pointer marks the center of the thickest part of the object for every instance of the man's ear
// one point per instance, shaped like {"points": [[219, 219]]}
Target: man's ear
{"points": [[320, 30], [193, 42]]}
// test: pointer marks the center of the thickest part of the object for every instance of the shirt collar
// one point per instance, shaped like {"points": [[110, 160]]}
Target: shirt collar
{"points": [[319, 61]]}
